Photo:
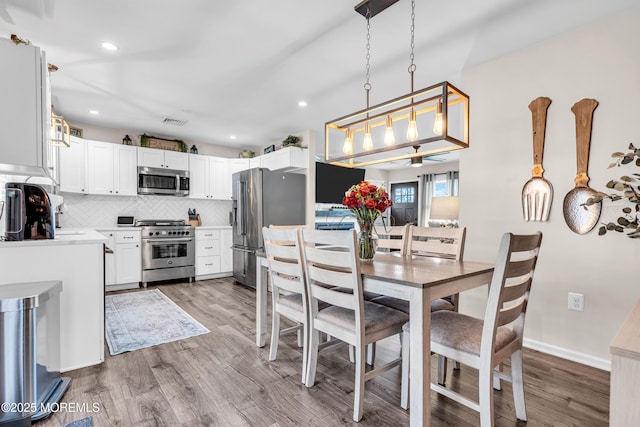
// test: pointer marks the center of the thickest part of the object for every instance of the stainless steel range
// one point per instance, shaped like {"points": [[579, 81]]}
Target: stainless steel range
{"points": [[168, 250]]}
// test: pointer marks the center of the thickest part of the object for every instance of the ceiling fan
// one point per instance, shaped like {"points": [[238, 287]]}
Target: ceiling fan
{"points": [[416, 162]]}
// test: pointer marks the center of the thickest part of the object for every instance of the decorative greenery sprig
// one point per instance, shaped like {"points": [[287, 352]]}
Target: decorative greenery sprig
{"points": [[292, 141], [628, 188], [18, 40]]}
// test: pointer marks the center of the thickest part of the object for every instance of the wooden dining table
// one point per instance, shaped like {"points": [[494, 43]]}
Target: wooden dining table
{"points": [[416, 279]]}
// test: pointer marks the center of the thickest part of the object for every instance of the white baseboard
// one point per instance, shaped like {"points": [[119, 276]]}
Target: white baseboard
{"points": [[563, 353], [214, 276]]}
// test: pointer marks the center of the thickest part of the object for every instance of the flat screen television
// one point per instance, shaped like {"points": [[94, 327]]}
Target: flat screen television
{"points": [[332, 181]]}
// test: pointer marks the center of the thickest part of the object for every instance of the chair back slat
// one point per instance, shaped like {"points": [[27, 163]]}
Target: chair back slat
{"points": [[516, 290], [393, 237], [520, 268], [322, 274], [330, 296], [436, 241], [507, 303], [526, 243], [511, 313], [287, 283], [282, 249], [335, 257]]}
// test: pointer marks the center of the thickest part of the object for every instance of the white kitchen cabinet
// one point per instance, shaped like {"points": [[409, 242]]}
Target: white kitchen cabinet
{"points": [[226, 253], [153, 158], [207, 252], [220, 179], [110, 259], [73, 166], [111, 169], [198, 176], [213, 252], [100, 167], [125, 172], [123, 268], [79, 265], [209, 177], [237, 165], [255, 162], [24, 127], [286, 159]]}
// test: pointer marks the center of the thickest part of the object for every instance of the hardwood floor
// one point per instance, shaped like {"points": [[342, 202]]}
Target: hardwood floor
{"points": [[223, 379]]}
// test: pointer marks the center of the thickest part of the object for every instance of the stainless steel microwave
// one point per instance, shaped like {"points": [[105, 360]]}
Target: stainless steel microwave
{"points": [[163, 181]]}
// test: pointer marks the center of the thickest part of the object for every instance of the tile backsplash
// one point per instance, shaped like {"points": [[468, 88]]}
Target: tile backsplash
{"points": [[102, 211]]}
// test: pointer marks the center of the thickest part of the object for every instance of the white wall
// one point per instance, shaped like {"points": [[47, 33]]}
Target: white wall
{"points": [[600, 61], [99, 133]]}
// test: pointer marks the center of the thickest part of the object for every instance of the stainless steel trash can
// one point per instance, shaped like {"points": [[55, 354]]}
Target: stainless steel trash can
{"points": [[29, 351]]}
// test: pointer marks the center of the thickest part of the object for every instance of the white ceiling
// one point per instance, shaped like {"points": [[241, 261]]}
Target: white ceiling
{"points": [[240, 67]]}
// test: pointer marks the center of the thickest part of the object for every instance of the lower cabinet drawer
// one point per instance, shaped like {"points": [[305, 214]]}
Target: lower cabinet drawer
{"points": [[207, 265], [207, 248]]}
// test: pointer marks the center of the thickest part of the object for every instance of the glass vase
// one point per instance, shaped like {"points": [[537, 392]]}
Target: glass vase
{"points": [[367, 242]]}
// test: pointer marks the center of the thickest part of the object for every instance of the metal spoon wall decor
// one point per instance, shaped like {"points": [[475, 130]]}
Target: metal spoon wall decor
{"points": [[579, 217]]}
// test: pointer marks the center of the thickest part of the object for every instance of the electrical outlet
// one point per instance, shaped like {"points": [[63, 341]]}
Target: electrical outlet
{"points": [[576, 301]]}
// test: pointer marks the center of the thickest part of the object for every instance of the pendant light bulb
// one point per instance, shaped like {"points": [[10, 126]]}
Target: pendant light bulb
{"points": [[437, 123], [347, 147], [389, 137], [367, 144], [412, 129]]}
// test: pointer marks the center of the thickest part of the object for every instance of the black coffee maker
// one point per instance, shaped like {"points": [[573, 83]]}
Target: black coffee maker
{"points": [[29, 212]]}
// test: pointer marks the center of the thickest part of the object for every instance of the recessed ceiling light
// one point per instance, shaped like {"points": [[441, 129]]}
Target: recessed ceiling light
{"points": [[109, 46], [232, 137], [302, 103], [94, 112]]}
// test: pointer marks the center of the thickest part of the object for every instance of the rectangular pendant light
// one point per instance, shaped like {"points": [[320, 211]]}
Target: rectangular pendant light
{"points": [[442, 101]]}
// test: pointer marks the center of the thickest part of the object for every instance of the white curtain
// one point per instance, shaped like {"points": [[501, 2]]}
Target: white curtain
{"points": [[427, 193], [428, 181]]}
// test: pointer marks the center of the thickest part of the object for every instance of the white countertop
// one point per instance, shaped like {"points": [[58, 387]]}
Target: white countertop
{"points": [[64, 236], [116, 228], [213, 227]]}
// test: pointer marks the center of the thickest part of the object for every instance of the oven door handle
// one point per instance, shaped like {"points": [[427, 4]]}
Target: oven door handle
{"points": [[169, 240]]}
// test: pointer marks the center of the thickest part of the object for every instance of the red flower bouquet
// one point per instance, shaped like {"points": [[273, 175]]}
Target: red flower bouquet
{"points": [[367, 201]]}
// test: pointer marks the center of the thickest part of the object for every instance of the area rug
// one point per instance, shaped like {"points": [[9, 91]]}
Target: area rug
{"points": [[143, 319], [85, 422]]}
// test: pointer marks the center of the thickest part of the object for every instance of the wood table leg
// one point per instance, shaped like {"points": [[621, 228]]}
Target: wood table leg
{"points": [[420, 358]]}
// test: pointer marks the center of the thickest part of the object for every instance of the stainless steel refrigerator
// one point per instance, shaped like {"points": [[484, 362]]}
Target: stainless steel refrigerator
{"points": [[262, 198]]}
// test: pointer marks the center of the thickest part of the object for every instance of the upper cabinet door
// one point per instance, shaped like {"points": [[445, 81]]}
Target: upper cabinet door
{"points": [[237, 165], [73, 170], [22, 110], [175, 160], [125, 172], [100, 162], [198, 176], [220, 178], [150, 157]]}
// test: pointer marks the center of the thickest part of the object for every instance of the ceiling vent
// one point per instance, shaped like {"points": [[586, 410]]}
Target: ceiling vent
{"points": [[174, 122]]}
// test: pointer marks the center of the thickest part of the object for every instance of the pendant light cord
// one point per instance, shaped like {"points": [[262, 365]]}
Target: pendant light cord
{"points": [[412, 67], [367, 85]]}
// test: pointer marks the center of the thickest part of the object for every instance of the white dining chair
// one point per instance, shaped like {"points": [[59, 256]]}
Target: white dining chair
{"points": [[288, 290], [440, 242], [485, 343], [331, 259]]}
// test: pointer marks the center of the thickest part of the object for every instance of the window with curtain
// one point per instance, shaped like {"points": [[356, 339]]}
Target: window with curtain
{"points": [[437, 185]]}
